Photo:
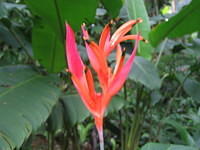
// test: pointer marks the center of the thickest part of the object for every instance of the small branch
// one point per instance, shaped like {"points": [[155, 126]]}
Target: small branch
{"points": [[161, 51]]}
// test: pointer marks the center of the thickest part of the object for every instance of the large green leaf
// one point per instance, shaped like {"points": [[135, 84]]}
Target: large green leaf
{"points": [[74, 110], [185, 22], [26, 100], [56, 12], [49, 44], [192, 88], [136, 9], [116, 104], [145, 72], [113, 7], [159, 146], [55, 120], [48, 49]]}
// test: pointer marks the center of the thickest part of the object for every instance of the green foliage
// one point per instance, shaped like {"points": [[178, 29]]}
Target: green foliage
{"points": [[7, 36], [55, 120], [26, 100], [184, 134], [158, 146], [48, 49], [145, 72], [113, 7], [57, 12], [11, 34], [3, 10], [49, 35], [192, 88], [74, 110], [136, 9], [116, 104], [159, 103], [185, 22]]}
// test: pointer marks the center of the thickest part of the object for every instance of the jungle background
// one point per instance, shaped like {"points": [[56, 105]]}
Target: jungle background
{"points": [[157, 109]]}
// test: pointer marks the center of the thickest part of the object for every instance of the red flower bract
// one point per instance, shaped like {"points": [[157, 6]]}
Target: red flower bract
{"points": [[110, 79]]}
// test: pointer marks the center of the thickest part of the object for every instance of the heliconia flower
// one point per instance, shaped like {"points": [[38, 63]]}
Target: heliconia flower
{"points": [[110, 79]]}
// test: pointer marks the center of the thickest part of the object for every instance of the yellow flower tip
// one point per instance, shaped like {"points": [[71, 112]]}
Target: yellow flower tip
{"points": [[84, 38], [87, 40], [145, 41], [83, 25], [111, 22], [123, 52], [139, 20], [68, 72], [117, 19]]}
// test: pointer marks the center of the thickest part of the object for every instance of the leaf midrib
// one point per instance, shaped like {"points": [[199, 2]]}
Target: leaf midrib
{"points": [[19, 85]]}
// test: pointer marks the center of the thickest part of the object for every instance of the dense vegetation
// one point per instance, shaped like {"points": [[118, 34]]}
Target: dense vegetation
{"points": [[158, 107]]}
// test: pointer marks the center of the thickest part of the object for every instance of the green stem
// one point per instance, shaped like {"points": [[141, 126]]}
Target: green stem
{"points": [[65, 143], [121, 130], [134, 136], [125, 91], [76, 139], [50, 141], [121, 122], [161, 51]]}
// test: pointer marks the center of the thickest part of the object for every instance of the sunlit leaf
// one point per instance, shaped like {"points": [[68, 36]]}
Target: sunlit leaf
{"points": [[185, 22], [136, 9]]}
